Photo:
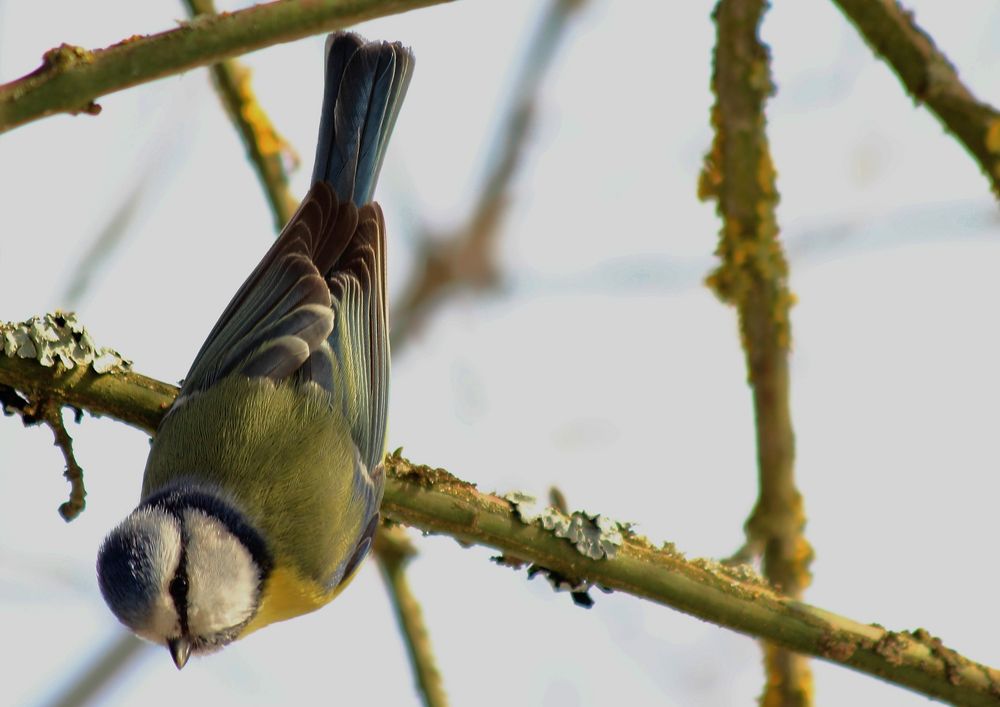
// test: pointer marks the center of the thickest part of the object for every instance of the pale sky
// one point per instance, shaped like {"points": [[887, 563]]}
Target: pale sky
{"points": [[603, 366]]}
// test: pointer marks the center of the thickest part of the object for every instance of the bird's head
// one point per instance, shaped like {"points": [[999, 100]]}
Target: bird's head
{"points": [[184, 570]]}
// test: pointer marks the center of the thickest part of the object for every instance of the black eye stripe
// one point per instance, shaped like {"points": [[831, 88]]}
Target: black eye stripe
{"points": [[175, 501], [178, 588]]}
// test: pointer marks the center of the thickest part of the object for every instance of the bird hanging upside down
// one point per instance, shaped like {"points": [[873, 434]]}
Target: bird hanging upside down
{"points": [[261, 493]]}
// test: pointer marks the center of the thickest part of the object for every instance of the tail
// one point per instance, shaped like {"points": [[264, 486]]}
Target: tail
{"points": [[365, 85]]}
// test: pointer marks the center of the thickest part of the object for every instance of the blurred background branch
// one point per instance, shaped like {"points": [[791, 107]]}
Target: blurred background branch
{"points": [[929, 78], [108, 664], [394, 551], [466, 259], [753, 276]]}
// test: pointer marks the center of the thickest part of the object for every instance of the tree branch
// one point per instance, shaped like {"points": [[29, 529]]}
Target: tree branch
{"points": [[929, 78], [753, 276], [437, 502], [393, 551], [266, 149], [71, 78], [52, 414], [466, 258]]}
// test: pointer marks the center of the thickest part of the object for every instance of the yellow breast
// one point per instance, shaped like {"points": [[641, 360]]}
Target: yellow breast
{"points": [[287, 594]]}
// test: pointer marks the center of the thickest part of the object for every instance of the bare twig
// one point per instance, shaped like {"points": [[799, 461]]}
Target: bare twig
{"points": [[753, 276], [393, 551], [929, 78], [466, 258], [267, 150], [70, 78], [44, 410], [108, 664], [435, 501], [52, 414], [107, 241]]}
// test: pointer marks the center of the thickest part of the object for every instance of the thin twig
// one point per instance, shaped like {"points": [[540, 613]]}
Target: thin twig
{"points": [[108, 664], [267, 150], [393, 551], [71, 78], [44, 410], [103, 247], [929, 78], [753, 276], [466, 258], [434, 501], [51, 412]]}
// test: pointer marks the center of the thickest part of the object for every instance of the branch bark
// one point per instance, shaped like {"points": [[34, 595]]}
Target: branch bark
{"points": [[929, 78], [437, 502], [753, 276], [71, 78]]}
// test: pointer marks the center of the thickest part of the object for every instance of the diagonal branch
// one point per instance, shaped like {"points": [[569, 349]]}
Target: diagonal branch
{"points": [[929, 78], [71, 78], [465, 259], [753, 276], [437, 502], [107, 664]]}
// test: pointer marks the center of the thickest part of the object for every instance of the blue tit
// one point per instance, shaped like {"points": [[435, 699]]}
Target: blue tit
{"points": [[261, 494]]}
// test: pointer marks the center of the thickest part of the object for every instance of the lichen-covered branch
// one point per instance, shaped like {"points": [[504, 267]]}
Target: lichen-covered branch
{"points": [[70, 78], [753, 276], [437, 502], [929, 78], [267, 150], [466, 258], [393, 551], [29, 352]]}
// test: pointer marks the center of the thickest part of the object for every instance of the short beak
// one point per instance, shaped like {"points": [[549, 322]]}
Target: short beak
{"points": [[180, 651]]}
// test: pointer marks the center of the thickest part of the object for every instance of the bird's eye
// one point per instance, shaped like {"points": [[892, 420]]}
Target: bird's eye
{"points": [[179, 589]]}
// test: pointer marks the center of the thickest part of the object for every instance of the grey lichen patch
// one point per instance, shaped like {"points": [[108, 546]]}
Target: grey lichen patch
{"points": [[59, 337], [594, 536]]}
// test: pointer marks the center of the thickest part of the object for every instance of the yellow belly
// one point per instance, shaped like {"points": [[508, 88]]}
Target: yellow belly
{"points": [[287, 594]]}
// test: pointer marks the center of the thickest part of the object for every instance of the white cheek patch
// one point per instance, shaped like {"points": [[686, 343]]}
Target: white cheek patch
{"points": [[222, 577], [161, 534]]}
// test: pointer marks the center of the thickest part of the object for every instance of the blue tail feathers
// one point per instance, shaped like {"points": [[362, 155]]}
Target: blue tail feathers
{"points": [[365, 85]]}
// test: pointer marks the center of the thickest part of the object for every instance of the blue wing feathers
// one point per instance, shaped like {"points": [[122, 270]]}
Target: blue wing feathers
{"points": [[365, 84], [314, 310]]}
